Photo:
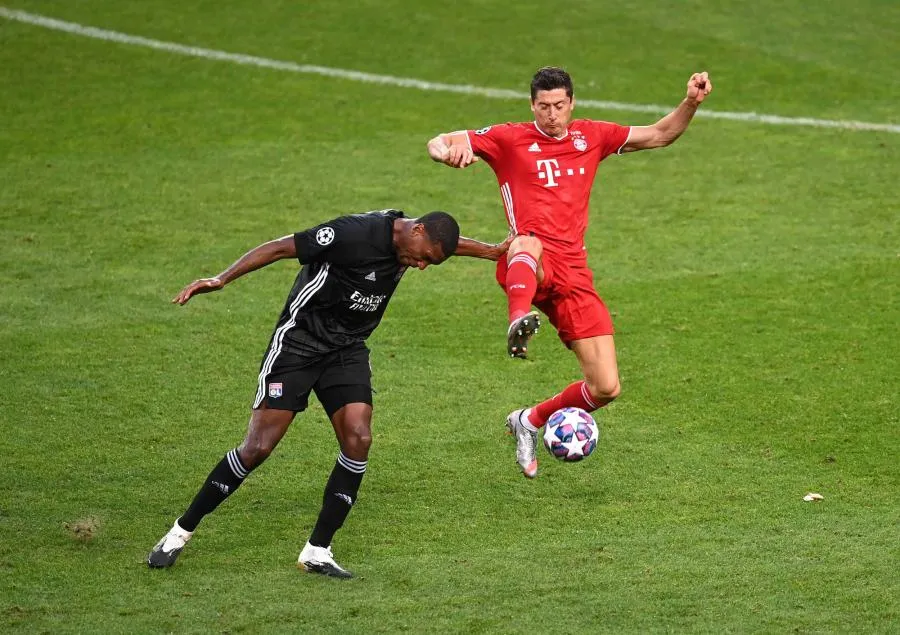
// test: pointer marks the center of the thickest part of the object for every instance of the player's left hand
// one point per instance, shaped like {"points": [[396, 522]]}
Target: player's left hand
{"points": [[698, 87], [497, 251], [203, 285]]}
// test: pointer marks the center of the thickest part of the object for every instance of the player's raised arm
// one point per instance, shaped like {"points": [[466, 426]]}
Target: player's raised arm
{"points": [[669, 128], [453, 149], [256, 258]]}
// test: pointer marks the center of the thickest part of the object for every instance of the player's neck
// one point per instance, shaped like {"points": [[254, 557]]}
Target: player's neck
{"points": [[562, 136], [399, 229]]}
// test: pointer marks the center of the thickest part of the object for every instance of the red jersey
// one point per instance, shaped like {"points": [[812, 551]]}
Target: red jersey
{"points": [[546, 182]]}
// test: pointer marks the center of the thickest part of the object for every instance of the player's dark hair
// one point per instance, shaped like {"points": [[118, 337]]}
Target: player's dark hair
{"points": [[551, 77], [441, 228]]}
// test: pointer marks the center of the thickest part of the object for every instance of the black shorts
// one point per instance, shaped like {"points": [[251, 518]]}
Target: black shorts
{"points": [[338, 378]]}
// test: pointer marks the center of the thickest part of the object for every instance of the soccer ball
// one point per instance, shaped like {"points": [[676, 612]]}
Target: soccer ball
{"points": [[571, 434]]}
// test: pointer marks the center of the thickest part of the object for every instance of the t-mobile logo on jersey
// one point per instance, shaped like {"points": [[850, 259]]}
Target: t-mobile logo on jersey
{"points": [[549, 169]]}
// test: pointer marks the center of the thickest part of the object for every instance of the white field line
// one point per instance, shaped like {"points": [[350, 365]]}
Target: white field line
{"points": [[406, 82]]}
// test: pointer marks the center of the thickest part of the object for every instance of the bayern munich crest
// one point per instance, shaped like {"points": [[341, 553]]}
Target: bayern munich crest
{"points": [[580, 144]]}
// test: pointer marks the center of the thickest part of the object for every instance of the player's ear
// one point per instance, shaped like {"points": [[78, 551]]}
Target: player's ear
{"points": [[418, 229]]}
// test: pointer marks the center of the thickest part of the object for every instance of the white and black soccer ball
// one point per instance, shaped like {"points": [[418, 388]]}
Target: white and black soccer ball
{"points": [[571, 434]]}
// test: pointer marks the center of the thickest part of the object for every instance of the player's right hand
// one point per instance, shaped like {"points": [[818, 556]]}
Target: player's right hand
{"points": [[203, 285], [460, 156]]}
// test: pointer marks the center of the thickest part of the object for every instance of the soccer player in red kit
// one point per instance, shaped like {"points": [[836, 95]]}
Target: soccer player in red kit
{"points": [[545, 169]]}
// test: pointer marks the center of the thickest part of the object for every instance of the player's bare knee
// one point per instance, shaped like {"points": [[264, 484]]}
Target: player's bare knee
{"points": [[614, 393], [529, 244], [253, 452], [357, 441], [604, 390]]}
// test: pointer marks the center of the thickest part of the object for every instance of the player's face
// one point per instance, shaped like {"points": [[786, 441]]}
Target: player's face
{"points": [[418, 251], [552, 110]]}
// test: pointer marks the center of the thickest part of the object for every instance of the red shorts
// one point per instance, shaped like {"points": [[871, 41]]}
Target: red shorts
{"points": [[568, 297]]}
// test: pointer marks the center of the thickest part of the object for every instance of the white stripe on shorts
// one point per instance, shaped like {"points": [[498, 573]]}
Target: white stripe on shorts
{"points": [[302, 298]]}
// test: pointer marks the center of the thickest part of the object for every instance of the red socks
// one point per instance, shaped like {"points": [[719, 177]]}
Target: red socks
{"points": [[521, 284], [574, 396]]}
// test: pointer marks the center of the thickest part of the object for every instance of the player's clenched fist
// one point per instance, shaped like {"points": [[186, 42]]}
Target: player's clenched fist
{"points": [[698, 87], [452, 149], [460, 156]]}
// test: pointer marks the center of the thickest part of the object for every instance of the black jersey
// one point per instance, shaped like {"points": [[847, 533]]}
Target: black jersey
{"points": [[350, 272]]}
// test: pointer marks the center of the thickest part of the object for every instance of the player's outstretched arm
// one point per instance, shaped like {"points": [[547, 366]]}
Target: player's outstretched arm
{"points": [[478, 249], [256, 258], [452, 149], [670, 127]]}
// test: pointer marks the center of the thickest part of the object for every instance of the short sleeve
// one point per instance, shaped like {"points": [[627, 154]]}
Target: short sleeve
{"points": [[611, 136], [329, 241], [488, 142]]}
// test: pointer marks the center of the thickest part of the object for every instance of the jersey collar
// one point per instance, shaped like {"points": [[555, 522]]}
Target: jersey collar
{"points": [[560, 138]]}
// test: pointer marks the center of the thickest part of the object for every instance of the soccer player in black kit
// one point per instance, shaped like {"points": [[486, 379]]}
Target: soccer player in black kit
{"points": [[351, 266]]}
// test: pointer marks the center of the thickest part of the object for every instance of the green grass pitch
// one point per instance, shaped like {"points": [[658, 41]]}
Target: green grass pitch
{"points": [[753, 271]]}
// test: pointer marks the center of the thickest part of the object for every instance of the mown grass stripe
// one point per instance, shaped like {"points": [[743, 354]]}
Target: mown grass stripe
{"points": [[419, 84]]}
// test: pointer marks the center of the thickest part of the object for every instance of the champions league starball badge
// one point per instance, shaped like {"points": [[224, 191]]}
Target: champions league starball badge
{"points": [[324, 236]]}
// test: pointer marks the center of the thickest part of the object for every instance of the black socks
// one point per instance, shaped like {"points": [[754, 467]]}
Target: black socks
{"points": [[221, 483], [340, 494]]}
